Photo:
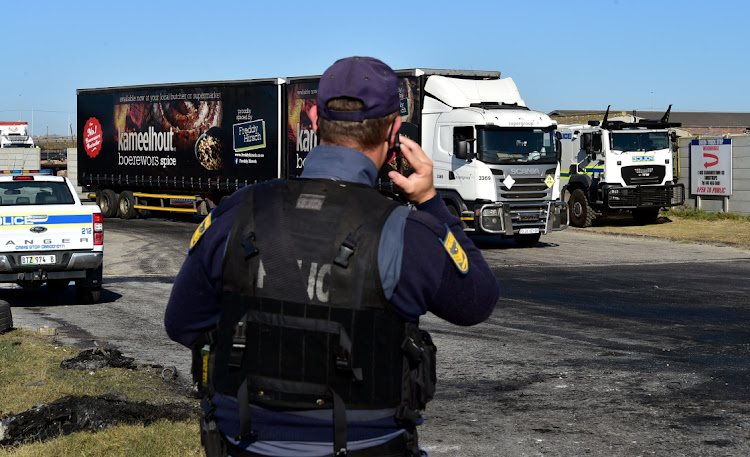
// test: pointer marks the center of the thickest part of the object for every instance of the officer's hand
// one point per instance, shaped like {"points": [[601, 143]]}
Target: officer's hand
{"points": [[418, 187]]}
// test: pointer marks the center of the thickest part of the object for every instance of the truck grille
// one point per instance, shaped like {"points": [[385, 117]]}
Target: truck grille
{"points": [[644, 197], [527, 197], [525, 188], [643, 174]]}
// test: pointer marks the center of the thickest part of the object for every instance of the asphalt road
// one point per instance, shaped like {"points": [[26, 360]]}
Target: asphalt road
{"points": [[600, 344]]}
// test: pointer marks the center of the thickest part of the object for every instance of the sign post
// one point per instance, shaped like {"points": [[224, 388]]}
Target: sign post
{"points": [[711, 167]]}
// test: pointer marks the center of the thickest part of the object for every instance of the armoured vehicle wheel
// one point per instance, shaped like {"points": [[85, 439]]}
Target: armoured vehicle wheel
{"points": [[6, 318], [581, 214], [645, 216]]}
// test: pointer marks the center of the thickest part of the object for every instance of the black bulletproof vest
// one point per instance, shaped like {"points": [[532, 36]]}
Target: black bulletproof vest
{"points": [[304, 317]]}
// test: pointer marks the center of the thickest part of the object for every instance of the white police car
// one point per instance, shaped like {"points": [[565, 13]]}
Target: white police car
{"points": [[48, 236]]}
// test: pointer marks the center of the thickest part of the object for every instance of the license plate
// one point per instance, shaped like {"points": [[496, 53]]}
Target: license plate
{"points": [[37, 259], [528, 231]]}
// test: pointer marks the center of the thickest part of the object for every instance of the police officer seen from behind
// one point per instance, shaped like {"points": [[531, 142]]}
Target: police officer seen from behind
{"points": [[301, 298]]}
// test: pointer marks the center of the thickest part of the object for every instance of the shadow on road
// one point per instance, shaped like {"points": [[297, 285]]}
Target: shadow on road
{"points": [[624, 220], [19, 297], [497, 242]]}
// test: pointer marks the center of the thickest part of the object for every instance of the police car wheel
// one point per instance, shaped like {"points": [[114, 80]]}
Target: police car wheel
{"points": [[57, 285], [88, 295], [6, 318]]}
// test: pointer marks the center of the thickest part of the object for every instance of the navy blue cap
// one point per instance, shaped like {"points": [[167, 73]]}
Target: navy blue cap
{"points": [[363, 78]]}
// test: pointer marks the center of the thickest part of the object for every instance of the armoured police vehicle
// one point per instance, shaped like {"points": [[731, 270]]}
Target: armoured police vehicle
{"points": [[614, 166]]}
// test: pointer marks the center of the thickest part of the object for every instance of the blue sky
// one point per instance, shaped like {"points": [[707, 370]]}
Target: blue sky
{"points": [[632, 54]]}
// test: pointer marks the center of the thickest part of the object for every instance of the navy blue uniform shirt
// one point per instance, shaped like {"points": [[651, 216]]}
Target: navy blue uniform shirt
{"points": [[417, 273]]}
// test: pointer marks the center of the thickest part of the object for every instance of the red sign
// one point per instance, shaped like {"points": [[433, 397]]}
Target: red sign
{"points": [[92, 137]]}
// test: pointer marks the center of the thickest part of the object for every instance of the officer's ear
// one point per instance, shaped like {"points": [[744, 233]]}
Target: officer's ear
{"points": [[313, 115]]}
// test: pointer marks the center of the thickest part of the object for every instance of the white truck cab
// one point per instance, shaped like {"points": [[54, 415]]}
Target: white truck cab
{"points": [[614, 166], [496, 162]]}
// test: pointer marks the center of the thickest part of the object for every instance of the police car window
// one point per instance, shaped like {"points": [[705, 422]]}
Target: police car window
{"points": [[14, 193]]}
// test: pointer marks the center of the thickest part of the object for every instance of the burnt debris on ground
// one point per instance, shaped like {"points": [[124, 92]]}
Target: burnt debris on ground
{"points": [[99, 357], [86, 413]]}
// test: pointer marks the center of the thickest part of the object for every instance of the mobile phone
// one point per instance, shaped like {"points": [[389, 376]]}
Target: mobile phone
{"points": [[402, 165]]}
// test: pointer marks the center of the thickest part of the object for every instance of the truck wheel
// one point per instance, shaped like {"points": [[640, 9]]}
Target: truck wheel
{"points": [[57, 285], [645, 216], [581, 214], [527, 240], [452, 209], [88, 295], [6, 318], [107, 201], [126, 202]]}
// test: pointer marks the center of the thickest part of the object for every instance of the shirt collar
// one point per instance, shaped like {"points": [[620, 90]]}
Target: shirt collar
{"points": [[340, 163]]}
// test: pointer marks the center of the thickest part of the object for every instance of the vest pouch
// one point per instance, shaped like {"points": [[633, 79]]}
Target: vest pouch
{"points": [[428, 372], [419, 375]]}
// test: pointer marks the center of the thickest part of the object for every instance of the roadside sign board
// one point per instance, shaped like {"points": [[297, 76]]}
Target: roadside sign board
{"points": [[711, 166]]}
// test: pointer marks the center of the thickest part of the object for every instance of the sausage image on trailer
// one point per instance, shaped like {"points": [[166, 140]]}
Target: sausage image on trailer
{"points": [[178, 147]]}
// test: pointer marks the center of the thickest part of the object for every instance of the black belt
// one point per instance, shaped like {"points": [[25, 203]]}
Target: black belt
{"points": [[396, 447]]}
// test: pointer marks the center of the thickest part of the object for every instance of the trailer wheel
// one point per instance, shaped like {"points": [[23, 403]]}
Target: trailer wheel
{"points": [[645, 216], [126, 203], [581, 214], [107, 201], [527, 240], [6, 318]]}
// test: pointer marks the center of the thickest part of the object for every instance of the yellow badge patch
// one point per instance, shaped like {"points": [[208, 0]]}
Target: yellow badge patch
{"points": [[455, 251], [205, 224]]}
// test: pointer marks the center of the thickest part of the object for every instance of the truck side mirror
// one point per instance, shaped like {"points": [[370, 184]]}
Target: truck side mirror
{"points": [[586, 142], [463, 149], [674, 138]]}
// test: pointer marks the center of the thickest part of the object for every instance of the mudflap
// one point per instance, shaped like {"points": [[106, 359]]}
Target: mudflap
{"points": [[93, 279]]}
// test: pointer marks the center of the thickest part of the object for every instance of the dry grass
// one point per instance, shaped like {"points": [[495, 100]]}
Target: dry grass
{"points": [[681, 226], [30, 374]]}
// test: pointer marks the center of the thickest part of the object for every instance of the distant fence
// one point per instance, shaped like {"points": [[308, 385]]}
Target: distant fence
{"points": [[739, 200], [53, 156]]}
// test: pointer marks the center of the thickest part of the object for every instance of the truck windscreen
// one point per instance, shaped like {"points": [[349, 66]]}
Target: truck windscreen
{"points": [[639, 141], [517, 145]]}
